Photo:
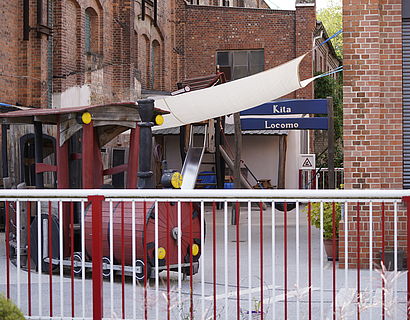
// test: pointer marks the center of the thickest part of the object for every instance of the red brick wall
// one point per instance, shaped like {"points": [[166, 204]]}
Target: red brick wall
{"points": [[188, 37], [22, 79], [282, 34], [10, 15], [305, 25], [373, 104]]}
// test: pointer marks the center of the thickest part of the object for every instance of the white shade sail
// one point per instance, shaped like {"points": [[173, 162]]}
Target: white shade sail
{"points": [[232, 97]]}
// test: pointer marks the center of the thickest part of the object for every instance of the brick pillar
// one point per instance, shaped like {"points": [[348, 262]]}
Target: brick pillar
{"points": [[179, 50], [123, 50], [305, 27], [373, 111], [32, 64], [11, 47]]}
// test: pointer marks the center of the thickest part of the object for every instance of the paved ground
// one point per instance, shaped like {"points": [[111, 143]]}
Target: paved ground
{"points": [[346, 298]]}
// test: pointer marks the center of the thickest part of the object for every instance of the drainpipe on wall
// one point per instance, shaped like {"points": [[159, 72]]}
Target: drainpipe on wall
{"points": [[26, 20], [50, 55]]}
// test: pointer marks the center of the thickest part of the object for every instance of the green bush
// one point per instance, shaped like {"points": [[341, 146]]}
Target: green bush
{"points": [[327, 217], [8, 310]]}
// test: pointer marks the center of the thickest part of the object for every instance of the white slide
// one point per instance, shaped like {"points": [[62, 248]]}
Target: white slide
{"points": [[232, 97], [192, 162], [191, 166]]}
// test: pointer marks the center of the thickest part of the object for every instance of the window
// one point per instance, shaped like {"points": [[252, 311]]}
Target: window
{"points": [[240, 63], [156, 65], [91, 31]]}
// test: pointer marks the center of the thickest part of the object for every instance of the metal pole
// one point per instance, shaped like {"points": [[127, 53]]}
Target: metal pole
{"points": [[146, 111], [331, 144]]}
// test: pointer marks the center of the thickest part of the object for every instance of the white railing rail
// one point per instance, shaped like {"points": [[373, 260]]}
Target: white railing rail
{"points": [[203, 194], [281, 273], [322, 176]]}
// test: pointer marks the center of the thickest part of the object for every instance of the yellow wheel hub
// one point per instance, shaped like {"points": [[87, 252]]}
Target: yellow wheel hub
{"points": [[161, 253], [195, 249], [176, 180]]}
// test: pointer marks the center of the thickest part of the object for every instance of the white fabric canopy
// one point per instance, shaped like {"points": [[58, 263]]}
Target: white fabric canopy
{"points": [[232, 97]]}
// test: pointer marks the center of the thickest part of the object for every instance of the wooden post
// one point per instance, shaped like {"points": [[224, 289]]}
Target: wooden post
{"points": [[237, 163], [282, 161], [330, 144], [219, 161], [38, 152], [63, 182], [238, 151], [88, 156], [4, 156]]}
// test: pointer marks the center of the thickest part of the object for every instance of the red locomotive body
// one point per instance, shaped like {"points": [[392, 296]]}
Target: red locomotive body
{"points": [[81, 133], [167, 228]]}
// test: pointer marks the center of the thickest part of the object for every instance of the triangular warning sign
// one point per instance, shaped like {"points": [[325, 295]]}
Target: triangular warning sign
{"points": [[307, 163]]}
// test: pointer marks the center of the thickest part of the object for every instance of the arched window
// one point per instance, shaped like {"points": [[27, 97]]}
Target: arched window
{"points": [[156, 66], [144, 60], [91, 31]]}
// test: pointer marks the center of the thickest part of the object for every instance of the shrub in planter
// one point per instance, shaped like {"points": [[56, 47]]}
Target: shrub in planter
{"points": [[8, 310], [327, 223]]}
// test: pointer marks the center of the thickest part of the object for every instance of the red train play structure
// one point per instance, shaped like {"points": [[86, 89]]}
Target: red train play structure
{"points": [[73, 159]]}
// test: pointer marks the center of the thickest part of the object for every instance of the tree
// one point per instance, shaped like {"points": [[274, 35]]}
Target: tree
{"points": [[331, 17], [331, 87]]}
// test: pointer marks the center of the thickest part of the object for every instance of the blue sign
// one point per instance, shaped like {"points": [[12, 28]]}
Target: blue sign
{"points": [[313, 106], [284, 123]]}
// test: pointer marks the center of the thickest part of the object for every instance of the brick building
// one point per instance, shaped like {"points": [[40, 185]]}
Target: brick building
{"points": [[76, 52], [211, 35], [324, 58], [80, 52], [60, 53], [375, 131]]}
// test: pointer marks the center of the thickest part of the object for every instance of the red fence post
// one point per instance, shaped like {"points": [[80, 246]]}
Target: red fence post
{"points": [[407, 201], [97, 240]]}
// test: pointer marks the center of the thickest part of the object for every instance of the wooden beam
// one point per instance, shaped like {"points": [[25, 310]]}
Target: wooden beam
{"points": [[115, 170], [67, 129], [44, 167], [107, 133]]}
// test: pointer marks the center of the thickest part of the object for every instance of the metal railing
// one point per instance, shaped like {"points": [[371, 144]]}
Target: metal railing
{"points": [[322, 178], [166, 254]]}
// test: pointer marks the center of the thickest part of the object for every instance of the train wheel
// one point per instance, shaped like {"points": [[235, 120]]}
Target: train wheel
{"points": [[106, 267], [281, 206], [78, 260], [140, 270]]}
